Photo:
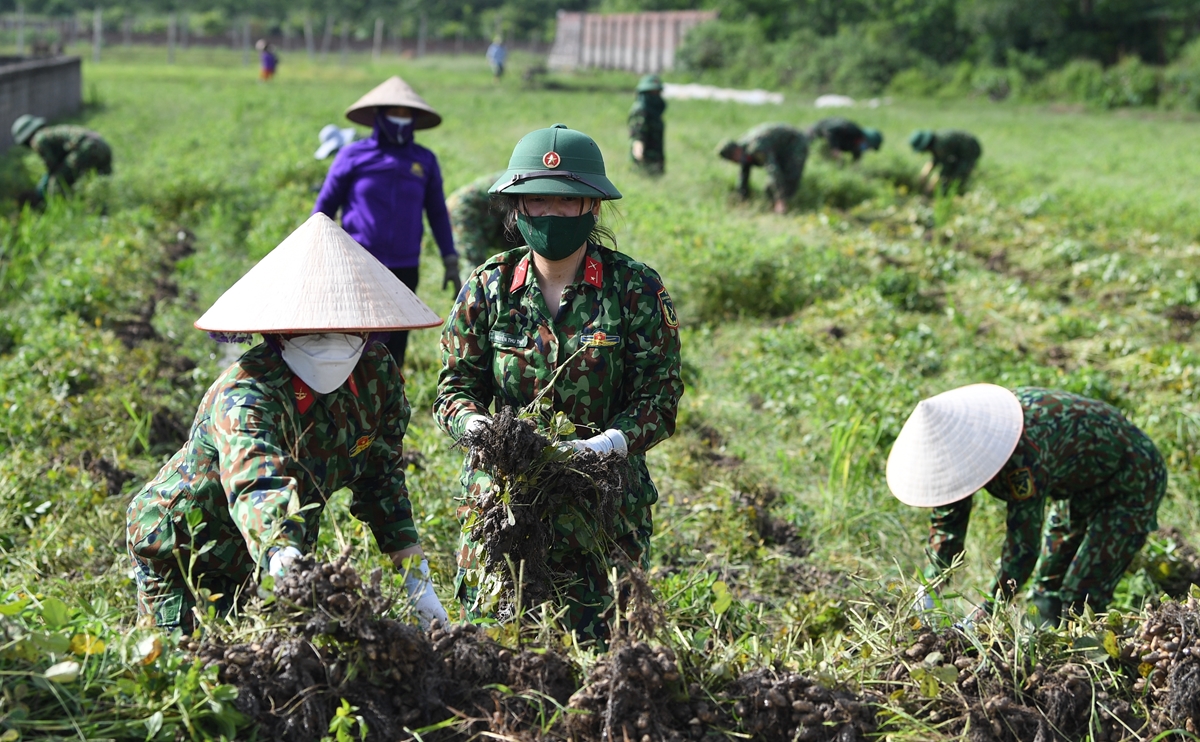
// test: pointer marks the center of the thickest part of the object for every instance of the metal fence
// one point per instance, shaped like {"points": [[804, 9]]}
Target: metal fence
{"points": [[51, 88], [637, 42]]}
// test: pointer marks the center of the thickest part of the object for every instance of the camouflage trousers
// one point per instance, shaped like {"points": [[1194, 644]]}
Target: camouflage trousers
{"points": [[955, 175], [92, 154], [587, 597], [654, 157], [163, 553], [1090, 540]]}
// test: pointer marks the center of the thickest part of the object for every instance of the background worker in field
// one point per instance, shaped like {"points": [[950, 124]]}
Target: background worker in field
{"points": [[479, 228], [647, 146], [524, 312], [67, 151], [953, 153], [497, 55], [1103, 479], [383, 185], [317, 406], [844, 136], [267, 59], [780, 149]]}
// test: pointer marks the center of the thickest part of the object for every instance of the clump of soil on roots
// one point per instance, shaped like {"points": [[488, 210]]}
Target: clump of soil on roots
{"points": [[1167, 654], [535, 483], [994, 697]]}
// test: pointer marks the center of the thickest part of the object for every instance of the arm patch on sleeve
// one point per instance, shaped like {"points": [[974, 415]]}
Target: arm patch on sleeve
{"points": [[668, 309]]}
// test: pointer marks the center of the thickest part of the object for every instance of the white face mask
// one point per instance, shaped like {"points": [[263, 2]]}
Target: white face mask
{"points": [[324, 361], [399, 121]]}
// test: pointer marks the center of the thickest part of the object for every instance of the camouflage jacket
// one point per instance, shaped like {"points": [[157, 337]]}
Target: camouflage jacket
{"points": [[262, 438], [842, 134], [501, 344], [645, 118], [953, 149], [1070, 448], [478, 228], [780, 149], [65, 150]]}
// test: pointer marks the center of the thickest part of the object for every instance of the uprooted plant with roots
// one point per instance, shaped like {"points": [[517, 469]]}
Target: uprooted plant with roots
{"points": [[537, 489]]}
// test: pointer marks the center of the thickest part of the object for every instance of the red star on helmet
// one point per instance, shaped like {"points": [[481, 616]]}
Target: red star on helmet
{"points": [[551, 160]]}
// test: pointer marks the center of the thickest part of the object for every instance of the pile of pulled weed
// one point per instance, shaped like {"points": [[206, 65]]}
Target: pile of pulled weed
{"points": [[327, 641], [991, 692], [331, 643], [1166, 652], [535, 484]]}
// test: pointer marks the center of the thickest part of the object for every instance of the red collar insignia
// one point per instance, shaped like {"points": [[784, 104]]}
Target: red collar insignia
{"points": [[519, 274], [304, 395], [593, 272]]}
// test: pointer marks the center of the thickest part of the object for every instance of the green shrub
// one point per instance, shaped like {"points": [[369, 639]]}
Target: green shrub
{"points": [[1181, 81], [922, 81], [1131, 83], [1078, 81]]}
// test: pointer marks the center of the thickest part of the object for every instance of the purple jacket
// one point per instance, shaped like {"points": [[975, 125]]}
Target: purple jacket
{"points": [[381, 189]]}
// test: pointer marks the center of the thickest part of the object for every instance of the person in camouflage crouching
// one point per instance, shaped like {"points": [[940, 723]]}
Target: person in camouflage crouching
{"points": [[1102, 477], [523, 314], [479, 229], [844, 136], [779, 148], [318, 406], [953, 153], [647, 133], [67, 151]]}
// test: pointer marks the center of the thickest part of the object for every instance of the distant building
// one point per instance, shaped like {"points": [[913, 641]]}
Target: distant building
{"points": [[637, 42]]}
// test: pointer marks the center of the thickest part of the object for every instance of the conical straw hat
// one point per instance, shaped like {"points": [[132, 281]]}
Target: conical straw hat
{"points": [[953, 444], [317, 280], [393, 92]]}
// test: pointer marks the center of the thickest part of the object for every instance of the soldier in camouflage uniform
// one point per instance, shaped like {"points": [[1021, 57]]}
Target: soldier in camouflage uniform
{"points": [[1104, 481], [276, 435], [647, 137], [953, 152], [523, 313], [68, 151], [842, 135], [779, 148], [479, 230]]}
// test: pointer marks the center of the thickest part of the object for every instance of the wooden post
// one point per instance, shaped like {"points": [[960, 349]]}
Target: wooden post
{"points": [[458, 42], [246, 42], [97, 32], [184, 23], [20, 29], [171, 31], [327, 39], [377, 45], [310, 43], [345, 42], [421, 30]]}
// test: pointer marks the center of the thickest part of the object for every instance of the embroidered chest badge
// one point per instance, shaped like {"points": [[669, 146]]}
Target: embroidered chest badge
{"points": [[1021, 483], [599, 339], [362, 444], [668, 309], [417, 170]]}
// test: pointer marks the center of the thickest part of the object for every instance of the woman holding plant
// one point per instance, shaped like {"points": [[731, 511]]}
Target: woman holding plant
{"points": [[319, 405], [578, 324]]}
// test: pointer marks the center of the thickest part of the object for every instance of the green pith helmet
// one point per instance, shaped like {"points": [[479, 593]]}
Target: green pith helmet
{"points": [[556, 162], [649, 83], [25, 127], [874, 137], [921, 139], [726, 149]]}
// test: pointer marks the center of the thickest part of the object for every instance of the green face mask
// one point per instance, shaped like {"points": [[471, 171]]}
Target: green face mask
{"points": [[555, 237]]}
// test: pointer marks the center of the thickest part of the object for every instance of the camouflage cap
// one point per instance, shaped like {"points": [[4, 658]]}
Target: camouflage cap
{"points": [[921, 139], [556, 162], [25, 127]]}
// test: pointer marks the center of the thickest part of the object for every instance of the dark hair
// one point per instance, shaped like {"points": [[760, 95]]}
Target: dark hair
{"points": [[506, 204]]}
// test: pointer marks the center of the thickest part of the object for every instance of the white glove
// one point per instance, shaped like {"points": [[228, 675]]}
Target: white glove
{"points": [[476, 423], [420, 591], [610, 441], [281, 560]]}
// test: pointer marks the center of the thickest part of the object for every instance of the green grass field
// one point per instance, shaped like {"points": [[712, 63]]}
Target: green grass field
{"points": [[808, 338]]}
